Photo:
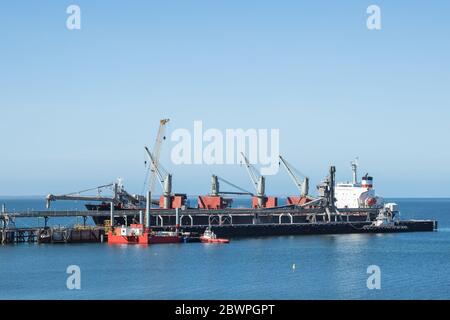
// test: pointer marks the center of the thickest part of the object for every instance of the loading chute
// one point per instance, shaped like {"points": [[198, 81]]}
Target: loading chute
{"points": [[119, 195]]}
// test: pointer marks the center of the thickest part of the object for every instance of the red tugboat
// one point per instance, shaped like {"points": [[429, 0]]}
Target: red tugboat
{"points": [[134, 234], [210, 237]]}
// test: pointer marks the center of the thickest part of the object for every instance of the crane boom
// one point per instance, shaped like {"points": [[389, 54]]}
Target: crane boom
{"points": [[52, 197], [155, 167], [157, 152], [99, 188], [303, 187], [259, 182], [164, 179], [254, 176], [75, 196]]}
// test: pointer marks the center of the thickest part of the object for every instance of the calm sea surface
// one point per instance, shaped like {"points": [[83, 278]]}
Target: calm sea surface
{"points": [[413, 265]]}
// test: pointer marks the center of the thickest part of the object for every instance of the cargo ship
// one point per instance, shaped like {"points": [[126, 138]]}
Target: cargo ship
{"points": [[351, 201], [337, 207]]}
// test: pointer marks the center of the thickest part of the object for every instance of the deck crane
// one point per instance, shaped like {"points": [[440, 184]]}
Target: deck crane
{"points": [[303, 186], [215, 199], [160, 137], [258, 180], [164, 178]]}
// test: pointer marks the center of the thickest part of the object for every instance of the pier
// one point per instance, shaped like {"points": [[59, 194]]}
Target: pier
{"points": [[224, 222], [52, 235], [194, 217]]}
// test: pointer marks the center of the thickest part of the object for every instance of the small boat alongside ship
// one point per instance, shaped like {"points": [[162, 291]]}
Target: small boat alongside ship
{"points": [[210, 237]]}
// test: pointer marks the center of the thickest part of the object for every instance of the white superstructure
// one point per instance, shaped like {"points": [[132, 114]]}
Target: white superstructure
{"points": [[357, 194]]}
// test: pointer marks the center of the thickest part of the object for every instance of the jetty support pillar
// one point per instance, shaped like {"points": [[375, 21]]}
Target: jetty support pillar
{"points": [[111, 215], [147, 209]]}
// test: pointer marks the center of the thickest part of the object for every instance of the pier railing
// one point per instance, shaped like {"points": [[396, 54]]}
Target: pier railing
{"points": [[196, 212], [67, 213]]}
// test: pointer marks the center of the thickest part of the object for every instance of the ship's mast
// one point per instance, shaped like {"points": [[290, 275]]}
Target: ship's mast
{"points": [[354, 164]]}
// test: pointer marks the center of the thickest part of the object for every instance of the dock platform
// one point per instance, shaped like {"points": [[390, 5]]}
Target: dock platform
{"points": [[224, 222], [99, 234], [52, 235]]}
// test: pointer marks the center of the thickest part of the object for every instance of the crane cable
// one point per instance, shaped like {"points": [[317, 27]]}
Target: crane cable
{"points": [[233, 185], [96, 188], [147, 172]]}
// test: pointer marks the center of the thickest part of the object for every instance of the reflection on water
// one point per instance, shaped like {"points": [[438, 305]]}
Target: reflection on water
{"points": [[413, 265]]}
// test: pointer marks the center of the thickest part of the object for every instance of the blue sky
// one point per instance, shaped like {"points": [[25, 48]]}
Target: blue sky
{"points": [[78, 106]]}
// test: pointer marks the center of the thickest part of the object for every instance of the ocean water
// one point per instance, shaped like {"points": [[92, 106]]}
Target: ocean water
{"points": [[412, 265]]}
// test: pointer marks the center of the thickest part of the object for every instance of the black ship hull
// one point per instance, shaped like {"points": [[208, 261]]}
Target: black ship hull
{"points": [[100, 220], [202, 217]]}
